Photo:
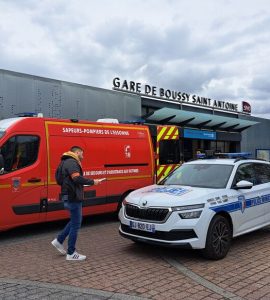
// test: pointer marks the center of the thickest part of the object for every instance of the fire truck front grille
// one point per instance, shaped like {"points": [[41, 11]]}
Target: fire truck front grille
{"points": [[147, 214]]}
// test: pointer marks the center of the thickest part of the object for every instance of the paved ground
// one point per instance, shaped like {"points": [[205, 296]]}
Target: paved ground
{"points": [[116, 268]]}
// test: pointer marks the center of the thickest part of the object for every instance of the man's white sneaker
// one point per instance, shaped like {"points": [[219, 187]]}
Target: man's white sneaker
{"points": [[59, 247], [75, 256]]}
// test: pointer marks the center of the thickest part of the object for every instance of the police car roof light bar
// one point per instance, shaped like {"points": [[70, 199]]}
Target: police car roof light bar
{"points": [[234, 155], [238, 155]]}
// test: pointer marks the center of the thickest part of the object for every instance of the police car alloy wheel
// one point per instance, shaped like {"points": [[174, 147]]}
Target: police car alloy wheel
{"points": [[218, 239]]}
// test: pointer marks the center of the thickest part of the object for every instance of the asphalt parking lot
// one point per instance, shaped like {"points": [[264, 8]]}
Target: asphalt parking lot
{"points": [[116, 268]]}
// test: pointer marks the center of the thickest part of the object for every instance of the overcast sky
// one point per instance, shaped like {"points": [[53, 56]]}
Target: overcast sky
{"points": [[213, 48]]}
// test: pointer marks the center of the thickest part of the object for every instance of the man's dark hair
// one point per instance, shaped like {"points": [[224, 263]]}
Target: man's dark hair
{"points": [[75, 148]]}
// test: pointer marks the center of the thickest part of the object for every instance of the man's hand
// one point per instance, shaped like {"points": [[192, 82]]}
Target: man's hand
{"points": [[98, 181]]}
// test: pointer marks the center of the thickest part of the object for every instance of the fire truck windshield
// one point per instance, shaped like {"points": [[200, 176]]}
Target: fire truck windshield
{"points": [[5, 124]]}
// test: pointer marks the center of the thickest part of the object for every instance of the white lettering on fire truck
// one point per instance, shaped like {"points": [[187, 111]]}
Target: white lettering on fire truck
{"points": [[110, 172], [95, 131]]}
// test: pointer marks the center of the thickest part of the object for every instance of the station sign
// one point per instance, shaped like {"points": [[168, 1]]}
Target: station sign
{"points": [[246, 107], [200, 134], [171, 95]]}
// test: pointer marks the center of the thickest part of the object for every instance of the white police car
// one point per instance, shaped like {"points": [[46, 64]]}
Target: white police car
{"points": [[201, 205]]}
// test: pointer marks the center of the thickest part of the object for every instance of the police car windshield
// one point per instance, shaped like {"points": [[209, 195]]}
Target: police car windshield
{"points": [[202, 175]]}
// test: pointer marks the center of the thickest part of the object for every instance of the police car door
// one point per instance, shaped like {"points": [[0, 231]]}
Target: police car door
{"points": [[249, 214], [262, 171]]}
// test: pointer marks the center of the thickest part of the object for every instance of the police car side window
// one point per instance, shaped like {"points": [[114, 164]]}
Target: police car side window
{"points": [[245, 172], [20, 151], [262, 173]]}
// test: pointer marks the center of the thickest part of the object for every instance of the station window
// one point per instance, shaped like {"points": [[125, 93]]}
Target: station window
{"points": [[169, 152], [20, 151]]}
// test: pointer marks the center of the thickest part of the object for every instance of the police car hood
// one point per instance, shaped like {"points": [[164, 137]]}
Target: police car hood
{"points": [[171, 195]]}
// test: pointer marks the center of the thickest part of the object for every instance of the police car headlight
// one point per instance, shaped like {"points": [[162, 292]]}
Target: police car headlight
{"points": [[190, 214], [189, 211], [188, 207]]}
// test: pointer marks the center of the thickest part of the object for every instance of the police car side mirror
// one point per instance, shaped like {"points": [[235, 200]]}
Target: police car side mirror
{"points": [[243, 185]]}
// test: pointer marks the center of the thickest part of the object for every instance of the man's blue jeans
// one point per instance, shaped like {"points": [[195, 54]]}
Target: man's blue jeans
{"points": [[73, 226]]}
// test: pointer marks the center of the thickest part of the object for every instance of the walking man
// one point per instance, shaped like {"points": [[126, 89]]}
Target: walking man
{"points": [[72, 195]]}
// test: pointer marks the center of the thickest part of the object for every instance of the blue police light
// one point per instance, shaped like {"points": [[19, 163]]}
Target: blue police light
{"points": [[224, 155], [201, 155], [235, 155]]}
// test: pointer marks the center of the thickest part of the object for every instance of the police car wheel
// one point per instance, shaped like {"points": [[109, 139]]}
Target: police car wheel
{"points": [[218, 240]]}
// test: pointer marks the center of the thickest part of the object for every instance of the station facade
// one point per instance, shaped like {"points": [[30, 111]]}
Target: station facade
{"points": [[205, 125]]}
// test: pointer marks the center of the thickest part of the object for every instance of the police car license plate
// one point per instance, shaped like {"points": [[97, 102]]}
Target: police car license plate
{"points": [[142, 226]]}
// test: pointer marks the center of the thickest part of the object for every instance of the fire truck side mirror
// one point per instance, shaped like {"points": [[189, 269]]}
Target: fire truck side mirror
{"points": [[1, 164]]}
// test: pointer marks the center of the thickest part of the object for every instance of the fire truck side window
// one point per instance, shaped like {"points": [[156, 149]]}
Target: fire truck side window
{"points": [[169, 152], [20, 151]]}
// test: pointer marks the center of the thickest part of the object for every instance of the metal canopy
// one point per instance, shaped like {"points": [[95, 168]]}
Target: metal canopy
{"points": [[198, 120]]}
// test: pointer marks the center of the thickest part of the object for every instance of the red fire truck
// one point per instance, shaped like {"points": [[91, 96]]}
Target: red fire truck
{"points": [[31, 148]]}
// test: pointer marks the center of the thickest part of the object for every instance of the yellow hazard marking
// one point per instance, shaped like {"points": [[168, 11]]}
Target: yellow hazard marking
{"points": [[160, 169], [4, 186], [172, 133], [151, 153], [32, 184], [168, 170], [47, 150], [94, 125], [161, 133], [118, 178], [171, 130]]}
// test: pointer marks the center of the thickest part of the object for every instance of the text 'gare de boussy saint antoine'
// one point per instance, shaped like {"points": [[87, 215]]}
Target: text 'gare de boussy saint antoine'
{"points": [[172, 95]]}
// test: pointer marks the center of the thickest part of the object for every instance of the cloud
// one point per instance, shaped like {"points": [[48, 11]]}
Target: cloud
{"points": [[261, 84], [216, 49]]}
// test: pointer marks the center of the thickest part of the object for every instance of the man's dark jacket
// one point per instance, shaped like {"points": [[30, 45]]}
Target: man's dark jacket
{"points": [[73, 187]]}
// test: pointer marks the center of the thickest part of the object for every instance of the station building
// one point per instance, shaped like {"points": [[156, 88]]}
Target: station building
{"points": [[204, 124]]}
